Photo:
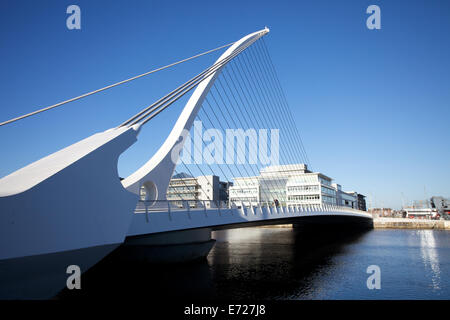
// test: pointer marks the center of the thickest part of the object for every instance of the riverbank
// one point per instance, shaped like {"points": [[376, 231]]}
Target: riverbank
{"points": [[404, 223], [394, 223]]}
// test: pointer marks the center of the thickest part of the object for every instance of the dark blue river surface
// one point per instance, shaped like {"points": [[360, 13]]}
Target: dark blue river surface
{"points": [[414, 264], [287, 264]]}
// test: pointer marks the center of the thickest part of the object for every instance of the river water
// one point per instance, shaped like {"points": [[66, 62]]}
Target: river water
{"points": [[289, 264]]}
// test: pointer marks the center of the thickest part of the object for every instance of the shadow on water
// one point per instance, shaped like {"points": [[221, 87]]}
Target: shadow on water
{"points": [[116, 278], [249, 263], [285, 263]]}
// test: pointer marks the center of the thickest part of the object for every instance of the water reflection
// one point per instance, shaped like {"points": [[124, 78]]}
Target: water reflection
{"points": [[430, 256], [275, 263]]}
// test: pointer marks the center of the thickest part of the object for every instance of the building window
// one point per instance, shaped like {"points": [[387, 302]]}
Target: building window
{"points": [[308, 188], [304, 197]]}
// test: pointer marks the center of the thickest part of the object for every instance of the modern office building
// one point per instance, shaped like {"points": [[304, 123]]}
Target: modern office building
{"points": [[246, 189], [197, 188], [310, 188], [362, 202], [184, 188], [349, 199], [192, 189], [290, 184]]}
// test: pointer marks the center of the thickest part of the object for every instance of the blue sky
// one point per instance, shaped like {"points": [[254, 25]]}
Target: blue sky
{"points": [[372, 106]]}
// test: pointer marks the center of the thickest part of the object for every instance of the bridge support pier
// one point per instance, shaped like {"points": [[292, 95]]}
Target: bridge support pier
{"points": [[168, 247]]}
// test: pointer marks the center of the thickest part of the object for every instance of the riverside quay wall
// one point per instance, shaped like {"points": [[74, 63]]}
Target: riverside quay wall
{"points": [[395, 223], [404, 223]]}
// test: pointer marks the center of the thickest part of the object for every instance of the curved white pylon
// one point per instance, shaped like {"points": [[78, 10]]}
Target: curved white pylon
{"points": [[159, 169]]}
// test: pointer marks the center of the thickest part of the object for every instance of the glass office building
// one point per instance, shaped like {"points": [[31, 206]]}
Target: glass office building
{"points": [[290, 184]]}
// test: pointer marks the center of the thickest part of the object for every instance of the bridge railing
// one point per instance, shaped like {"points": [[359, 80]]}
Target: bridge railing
{"points": [[145, 206]]}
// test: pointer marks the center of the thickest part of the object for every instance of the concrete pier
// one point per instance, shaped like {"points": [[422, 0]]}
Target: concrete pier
{"points": [[404, 223], [168, 247]]}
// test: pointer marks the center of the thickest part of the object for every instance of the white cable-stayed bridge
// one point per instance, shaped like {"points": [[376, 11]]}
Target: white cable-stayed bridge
{"points": [[43, 232]]}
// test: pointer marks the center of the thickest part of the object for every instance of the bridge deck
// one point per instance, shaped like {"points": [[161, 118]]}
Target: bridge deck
{"points": [[217, 218]]}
